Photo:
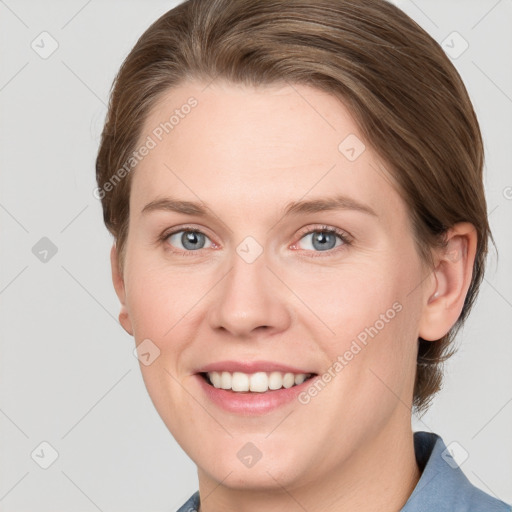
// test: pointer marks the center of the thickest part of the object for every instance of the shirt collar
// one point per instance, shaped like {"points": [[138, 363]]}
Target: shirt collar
{"points": [[443, 487]]}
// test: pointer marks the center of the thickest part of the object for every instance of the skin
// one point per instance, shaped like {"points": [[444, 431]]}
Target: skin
{"points": [[246, 153]]}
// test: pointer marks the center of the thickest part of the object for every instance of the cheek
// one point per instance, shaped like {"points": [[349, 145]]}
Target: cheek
{"points": [[347, 300], [160, 305], [373, 321], [159, 298]]}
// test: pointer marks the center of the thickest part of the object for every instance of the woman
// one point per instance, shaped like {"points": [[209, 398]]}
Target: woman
{"points": [[295, 192]]}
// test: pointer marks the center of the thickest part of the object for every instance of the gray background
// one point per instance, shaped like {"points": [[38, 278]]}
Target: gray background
{"points": [[67, 372]]}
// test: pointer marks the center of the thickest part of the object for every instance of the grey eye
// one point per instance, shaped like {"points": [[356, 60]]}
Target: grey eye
{"points": [[321, 240], [189, 240]]}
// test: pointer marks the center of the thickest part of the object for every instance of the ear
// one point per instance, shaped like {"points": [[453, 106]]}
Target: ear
{"points": [[118, 281], [444, 297]]}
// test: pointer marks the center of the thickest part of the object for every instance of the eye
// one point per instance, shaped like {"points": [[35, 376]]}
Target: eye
{"points": [[323, 239], [187, 240]]}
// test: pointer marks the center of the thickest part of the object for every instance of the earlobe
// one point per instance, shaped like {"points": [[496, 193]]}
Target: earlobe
{"points": [[118, 282], [444, 298]]}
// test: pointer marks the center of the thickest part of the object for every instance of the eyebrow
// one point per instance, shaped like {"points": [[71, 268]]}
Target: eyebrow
{"points": [[173, 205], [338, 202]]}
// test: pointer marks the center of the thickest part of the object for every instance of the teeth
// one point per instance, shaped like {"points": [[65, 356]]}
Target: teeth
{"points": [[275, 380], [258, 382], [225, 380], [240, 382], [299, 379]]}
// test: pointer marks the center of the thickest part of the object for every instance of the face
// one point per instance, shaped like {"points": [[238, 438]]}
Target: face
{"points": [[296, 257]]}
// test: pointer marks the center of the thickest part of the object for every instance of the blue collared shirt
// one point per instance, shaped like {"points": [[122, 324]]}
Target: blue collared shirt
{"points": [[442, 487]]}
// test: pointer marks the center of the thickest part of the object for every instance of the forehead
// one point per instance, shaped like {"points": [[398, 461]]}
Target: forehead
{"points": [[229, 117], [237, 143]]}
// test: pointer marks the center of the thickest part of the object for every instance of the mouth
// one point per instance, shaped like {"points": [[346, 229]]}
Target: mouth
{"points": [[258, 382]]}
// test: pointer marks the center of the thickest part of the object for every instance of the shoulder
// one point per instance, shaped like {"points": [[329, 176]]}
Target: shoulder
{"points": [[443, 486], [191, 505]]}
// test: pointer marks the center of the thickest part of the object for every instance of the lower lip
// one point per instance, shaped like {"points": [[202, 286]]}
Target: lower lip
{"points": [[249, 403]]}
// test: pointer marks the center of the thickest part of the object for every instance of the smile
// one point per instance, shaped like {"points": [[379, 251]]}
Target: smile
{"points": [[259, 382], [253, 391]]}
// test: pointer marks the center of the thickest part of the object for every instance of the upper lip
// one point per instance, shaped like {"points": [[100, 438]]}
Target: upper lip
{"points": [[250, 367]]}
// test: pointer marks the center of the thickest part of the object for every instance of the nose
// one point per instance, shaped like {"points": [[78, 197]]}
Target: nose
{"points": [[249, 300]]}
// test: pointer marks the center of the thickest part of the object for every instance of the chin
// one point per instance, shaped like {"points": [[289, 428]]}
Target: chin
{"points": [[260, 477]]}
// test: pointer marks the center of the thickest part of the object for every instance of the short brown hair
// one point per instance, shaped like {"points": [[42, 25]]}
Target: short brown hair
{"points": [[405, 95]]}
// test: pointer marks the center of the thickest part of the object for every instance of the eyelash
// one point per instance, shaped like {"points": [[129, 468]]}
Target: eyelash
{"points": [[166, 234], [344, 237]]}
